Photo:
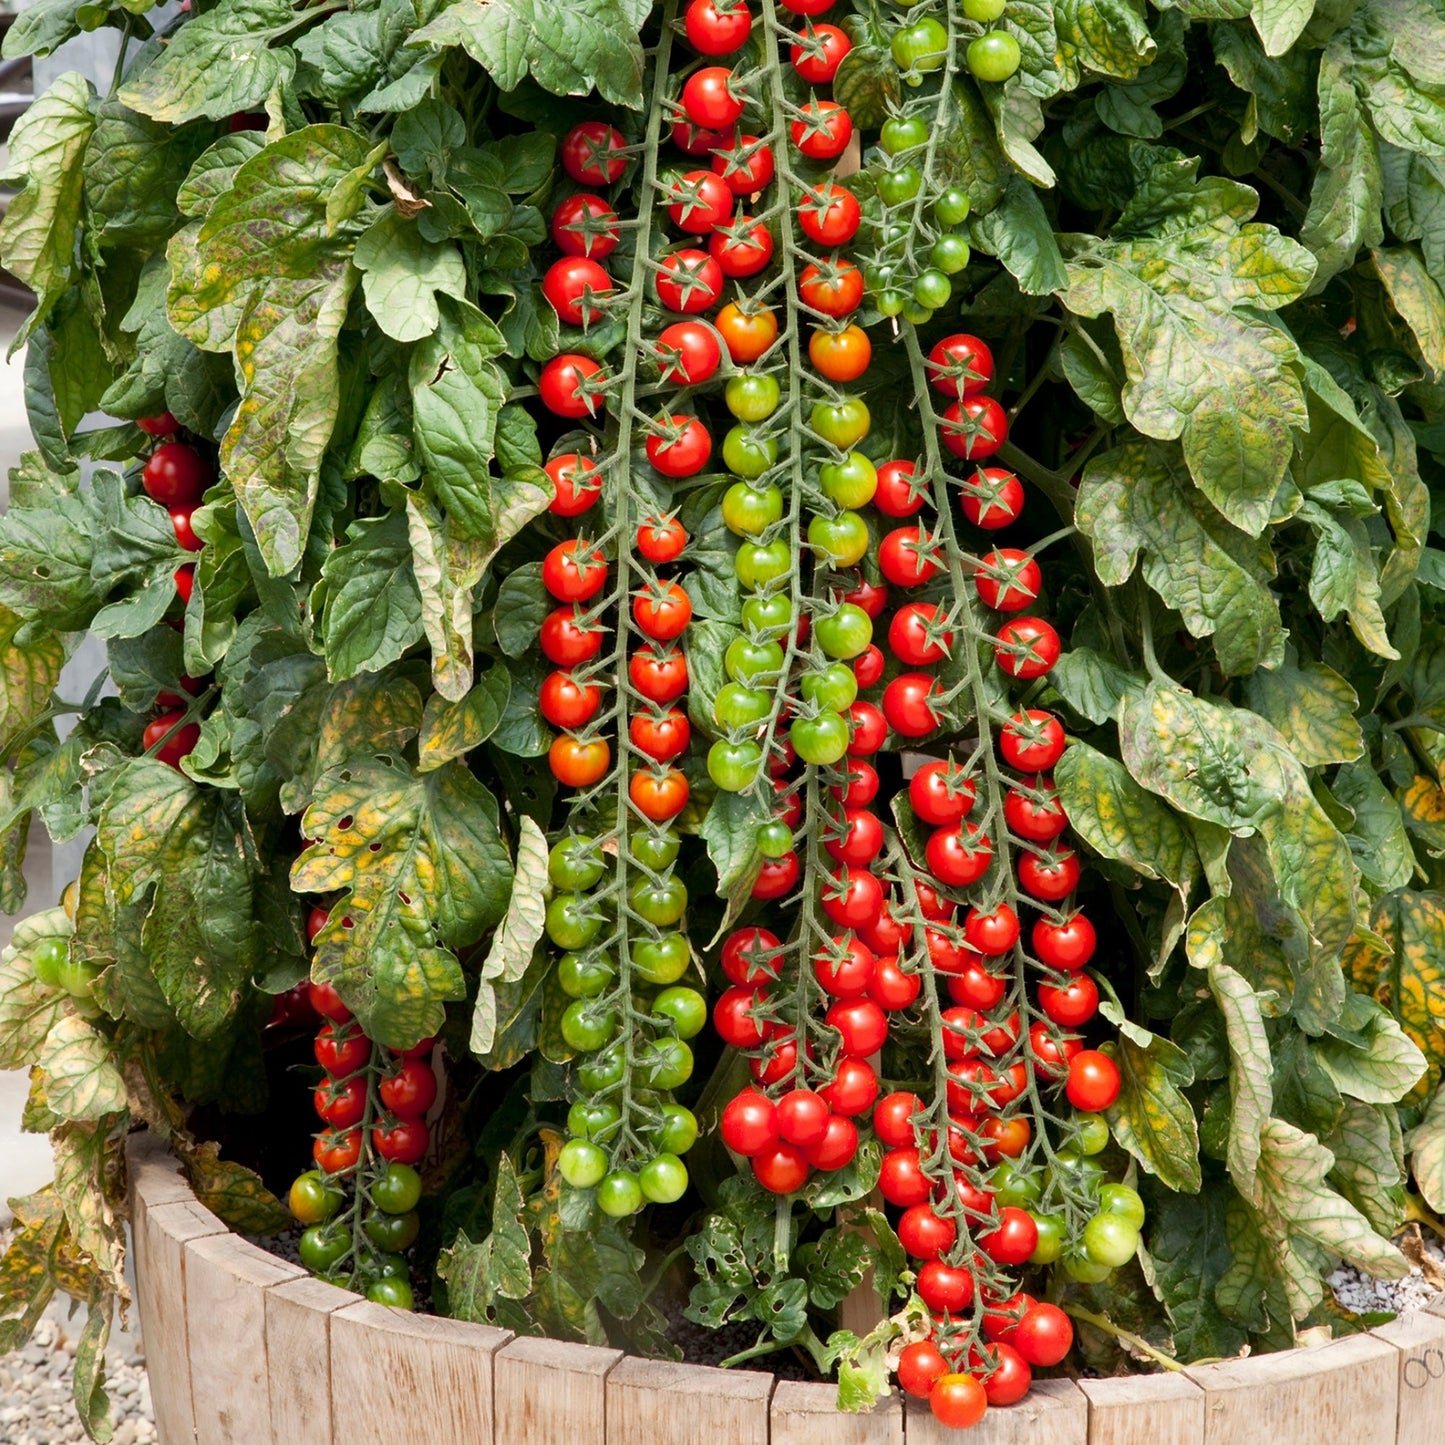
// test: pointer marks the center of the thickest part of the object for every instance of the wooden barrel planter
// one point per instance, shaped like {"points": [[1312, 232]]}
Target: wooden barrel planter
{"points": [[247, 1349]]}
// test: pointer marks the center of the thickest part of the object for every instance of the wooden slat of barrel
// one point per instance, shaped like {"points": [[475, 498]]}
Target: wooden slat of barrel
{"points": [[551, 1390], [298, 1354], [1163, 1409], [686, 1404], [1420, 1342], [807, 1414]]}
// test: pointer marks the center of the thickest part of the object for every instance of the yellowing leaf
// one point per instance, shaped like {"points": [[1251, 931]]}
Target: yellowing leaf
{"points": [[1312, 707], [1152, 1119], [1250, 1069], [230, 1191], [1427, 1152], [81, 1081], [29, 1010], [1423, 804], [518, 933]]}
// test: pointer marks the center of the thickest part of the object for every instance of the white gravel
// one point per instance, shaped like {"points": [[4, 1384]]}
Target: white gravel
{"points": [[1363, 1294]]}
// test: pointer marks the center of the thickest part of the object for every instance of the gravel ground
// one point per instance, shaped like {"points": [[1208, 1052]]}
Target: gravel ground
{"points": [[1364, 1295]]}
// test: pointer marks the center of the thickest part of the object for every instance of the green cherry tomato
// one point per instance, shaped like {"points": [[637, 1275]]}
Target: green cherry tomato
{"points": [[737, 706], [582, 1164], [661, 961], [398, 1189], [663, 1179], [758, 564], [821, 740], [932, 289], [619, 1194], [1013, 1184], [850, 483], [842, 424], [603, 1070], [322, 1248], [1052, 1237], [586, 1027], [397, 1293], [660, 904], [734, 766], [1093, 1136], [665, 1063], [754, 664], [1120, 1200], [920, 47], [1081, 1173], [1079, 1266], [834, 687], [76, 976], [392, 1232], [575, 864], [952, 207], [899, 186], [392, 1266], [750, 511], [949, 254], [891, 303], [994, 57], [1110, 1239], [585, 975], [916, 314], [903, 133], [573, 920], [597, 1121], [686, 1007], [843, 539], [678, 1131], [747, 455], [750, 397], [845, 633], [768, 614], [47, 959], [314, 1198], [983, 12], [656, 850], [775, 839]]}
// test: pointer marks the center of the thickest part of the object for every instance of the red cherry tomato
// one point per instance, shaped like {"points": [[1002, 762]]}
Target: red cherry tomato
{"points": [[746, 956], [868, 666], [1093, 1084], [1007, 580], [185, 580], [578, 762], [577, 290], [913, 637], [892, 989], [974, 427], [960, 365], [834, 288], [411, 1090], [742, 247], [899, 493], [663, 611], [777, 876], [746, 165], [992, 933], [659, 795], [909, 556], [1052, 1051], [818, 53], [698, 201], [593, 153], [749, 1123], [862, 784], [567, 703], [921, 1363], [576, 482], [845, 969], [176, 475], [1039, 818], [1051, 876], [960, 854], [717, 27], [901, 1179], [402, 1142], [566, 641], [569, 386], [180, 737], [1044, 1335], [941, 793], [688, 352], [957, 1401], [907, 704], [854, 1088], [945, 1287], [341, 1105], [852, 897], [711, 98], [689, 281], [829, 215], [892, 1118], [975, 987], [661, 539], [585, 225], [835, 1150], [1065, 945], [660, 675], [783, 1169], [337, 1153], [869, 727], [924, 1234], [571, 577], [992, 498], [1013, 1238], [342, 1051], [1032, 741], [185, 533], [861, 841], [1072, 1003], [661, 736], [164, 425], [863, 1025], [1010, 1377], [823, 130], [802, 1118], [1026, 648]]}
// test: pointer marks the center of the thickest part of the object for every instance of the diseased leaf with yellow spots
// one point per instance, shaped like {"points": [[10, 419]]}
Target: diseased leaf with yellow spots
{"points": [[452, 729], [87, 1179], [1151, 1118], [1427, 1152], [1423, 804], [81, 1081], [29, 1010], [29, 672], [1313, 708], [426, 872], [26, 1287], [1106, 37], [230, 1191], [1369, 1157]]}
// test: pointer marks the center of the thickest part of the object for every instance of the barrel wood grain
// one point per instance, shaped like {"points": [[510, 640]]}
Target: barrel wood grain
{"points": [[550, 1390], [1053, 1410], [807, 1414], [1339, 1391], [1419, 1340], [686, 1404], [438, 1371], [155, 1176], [298, 1356], [1163, 1409]]}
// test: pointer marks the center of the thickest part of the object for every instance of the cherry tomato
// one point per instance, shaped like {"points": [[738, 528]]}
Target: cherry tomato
{"points": [[845, 969], [960, 365], [662, 737], [1010, 1378], [861, 840], [919, 1366], [1026, 648], [1072, 1003], [907, 705], [863, 1025], [1007, 1138], [402, 1142], [661, 539], [185, 533], [913, 638], [1007, 580], [974, 427], [828, 215], [593, 153], [698, 201], [711, 99], [1066, 945], [975, 987], [992, 498], [325, 1001], [576, 289], [695, 140], [1093, 1083], [567, 703], [717, 27], [900, 492], [747, 334], [783, 1169], [576, 483], [959, 855], [565, 641], [941, 793], [678, 446], [175, 475], [746, 165], [802, 1118], [689, 281], [861, 787], [992, 933], [892, 1116], [579, 764], [185, 580], [835, 1150], [171, 737], [901, 1179], [945, 1287], [834, 288], [1051, 876], [658, 795], [854, 1087], [745, 955], [892, 989], [909, 556], [1044, 1335], [659, 675], [411, 1090], [688, 353], [570, 577], [841, 356], [1037, 819], [1032, 741], [585, 225], [569, 386], [852, 897], [662, 611], [870, 726], [337, 1153], [1052, 1051], [164, 425], [342, 1105], [733, 1019], [924, 1234], [343, 1051], [994, 57], [823, 130], [1012, 1239], [868, 666], [742, 247]]}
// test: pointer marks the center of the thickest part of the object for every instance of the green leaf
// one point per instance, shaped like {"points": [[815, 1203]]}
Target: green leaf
{"points": [[371, 605], [1380, 1066], [81, 1082], [500, 1266], [219, 62], [522, 603], [1152, 1119], [133, 168], [1311, 706], [214, 171], [29, 1010], [866, 84], [567, 49], [402, 273], [266, 276], [1427, 1152], [1417, 297], [730, 831], [1095, 375], [1139, 498], [1093, 684], [1378, 838], [1190, 1253], [1344, 576], [1397, 72], [92, 1404], [1280, 22], [1185, 275], [38, 232], [1368, 1163], [425, 872], [518, 933], [1019, 233], [1414, 190]]}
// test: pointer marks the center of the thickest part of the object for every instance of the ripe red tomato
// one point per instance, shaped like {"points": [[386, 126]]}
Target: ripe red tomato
{"points": [[861, 840], [1072, 1003], [852, 897], [829, 215], [834, 288], [717, 27], [570, 386], [919, 1366], [661, 736], [1007, 580], [567, 703], [745, 955], [343, 1051], [1052, 875], [1007, 1138], [863, 1025], [663, 611], [869, 728], [854, 1088], [783, 1169], [689, 281], [862, 784], [868, 666], [688, 353], [566, 641], [960, 365], [164, 425], [1026, 648], [974, 427], [576, 482], [924, 1234], [823, 130], [1044, 1335], [836, 1148], [871, 597], [845, 968], [1010, 1377], [570, 577], [960, 854], [185, 533], [1013, 1238], [733, 1018], [909, 556], [957, 1401], [975, 987], [402, 1142], [900, 493], [659, 675], [802, 1118], [698, 201], [909, 635], [992, 933], [1093, 1084], [818, 53], [337, 1153], [777, 877], [901, 1179], [892, 989], [1032, 741], [1039, 818], [659, 796], [749, 1123], [661, 539], [585, 225], [741, 247], [779, 1062], [992, 498], [1002, 1318], [746, 165], [411, 1090], [577, 289], [176, 475], [1052, 1051], [945, 1287], [941, 792], [678, 446], [907, 705], [892, 1116], [341, 1105], [593, 153], [576, 763], [712, 99], [1066, 945], [180, 737]]}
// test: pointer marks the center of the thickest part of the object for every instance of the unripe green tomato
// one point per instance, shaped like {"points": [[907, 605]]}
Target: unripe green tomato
{"points": [[665, 1063], [757, 564], [903, 133], [983, 12], [843, 539], [586, 1027], [775, 840], [834, 687], [1079, 1266], [920, 48], [572, 920], [845, 633], [747, 455], [76, 977], [582, 1164], [737, 706], [915, 314], [314, 1198], [398, 1190], [950, 254], [755, 664], [678, 1131], [1120, 1200], [1015, 1184], [603, 1070], [322, 1247], [1077, 1172], [597, 1121], [768, 614], [994, 57], [733, 766], [686, 1007], [397, 1293], [891, 303], [586, 975], [619, 1194], [952, 207], [898, 186], [1110, 1239], [661, 961], [820, 740], [751, 397], [932, 288], [392, 1232], [842, 423], [749, 511], [575, 864], [656, 849], [1093, 1135], [47, 960], [663, 1179], [850, 483], [660, 904], [1050, 1248]]}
